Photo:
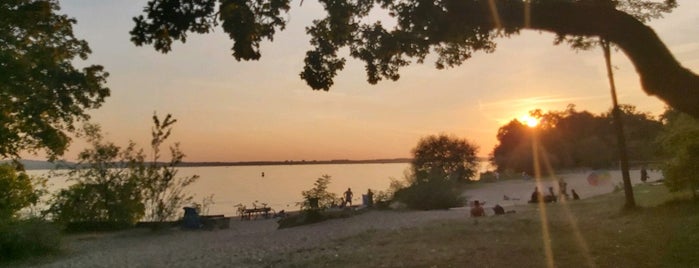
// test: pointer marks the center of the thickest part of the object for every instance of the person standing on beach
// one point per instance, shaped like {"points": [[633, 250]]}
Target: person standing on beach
{"points": [[644, 174], [348, 197], [562, 189]]}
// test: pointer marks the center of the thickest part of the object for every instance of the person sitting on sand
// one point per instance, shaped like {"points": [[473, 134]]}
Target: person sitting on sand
{"points": [[551, 197], [498, 210], [536, 196], [477, 209]]}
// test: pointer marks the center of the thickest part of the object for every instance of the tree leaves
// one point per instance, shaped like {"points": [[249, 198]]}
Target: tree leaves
{"points": [[453, 29], [42, 94]]}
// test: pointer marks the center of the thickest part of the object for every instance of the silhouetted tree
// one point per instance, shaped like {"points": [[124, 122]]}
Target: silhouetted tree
{"points": [[443, 157], [514, 150], [454, 29], [42, 93], [572, 139]]}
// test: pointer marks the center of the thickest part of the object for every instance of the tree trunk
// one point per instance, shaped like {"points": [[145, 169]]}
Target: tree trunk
{"points": [[661, 74], [619, 127]]}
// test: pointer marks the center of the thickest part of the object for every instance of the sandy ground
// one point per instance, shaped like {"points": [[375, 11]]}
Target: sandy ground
{"points": [[247, 242]]}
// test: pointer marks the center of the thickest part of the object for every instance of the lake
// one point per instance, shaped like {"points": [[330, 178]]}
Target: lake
{"points": [[281, 185]]}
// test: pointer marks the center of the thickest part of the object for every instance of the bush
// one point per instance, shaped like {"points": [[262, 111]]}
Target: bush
{"points": [[115, 187], [303, 218], [318, 197], [432, 194], [18, 192], [24, 238]]}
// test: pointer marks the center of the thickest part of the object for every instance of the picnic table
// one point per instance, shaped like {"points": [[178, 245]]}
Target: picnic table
{"points": [[254, 213]]}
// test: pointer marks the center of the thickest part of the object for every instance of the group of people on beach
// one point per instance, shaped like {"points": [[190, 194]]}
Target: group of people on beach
{"points": [[537, 196], [477, 209]]}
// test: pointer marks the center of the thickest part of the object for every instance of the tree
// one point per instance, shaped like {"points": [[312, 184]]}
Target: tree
{"points": [[116, 185], [514, 150], [318, 197], [444, 157], [574, 139], [106, 188], [454, 29], [18, 191], [439, 163], [163, 190], [42, 94], [680, 140]]}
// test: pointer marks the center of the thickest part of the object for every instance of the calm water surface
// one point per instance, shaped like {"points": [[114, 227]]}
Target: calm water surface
{"points": [[281, 185]]}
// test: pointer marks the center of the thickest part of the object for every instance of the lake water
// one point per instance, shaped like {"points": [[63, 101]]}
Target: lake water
{"points": [[281, 186]]}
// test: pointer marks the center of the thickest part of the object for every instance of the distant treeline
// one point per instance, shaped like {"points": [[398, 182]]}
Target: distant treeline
{"points": [[301, 162], [576, 139], [36, 165]]}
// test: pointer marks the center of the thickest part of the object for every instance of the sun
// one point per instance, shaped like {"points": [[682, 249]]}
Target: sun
{"points": [[529, 120]]}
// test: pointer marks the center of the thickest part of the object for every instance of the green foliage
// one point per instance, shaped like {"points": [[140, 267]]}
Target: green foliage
{"points": [[433, 193], [43, 93], [439, 164], [642, 10], [163, 190], [444, 157], [680, 141], [115, 186], [320, 194], [382, 199], [26, 238], [18, 192], [106, 188], [573, 139]]}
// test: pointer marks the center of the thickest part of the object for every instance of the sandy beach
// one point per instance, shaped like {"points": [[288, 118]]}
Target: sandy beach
{"points": [[246, 243]]}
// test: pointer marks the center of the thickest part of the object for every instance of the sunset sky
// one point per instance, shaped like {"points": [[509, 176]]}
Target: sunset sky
{"points": [[247, 111]]}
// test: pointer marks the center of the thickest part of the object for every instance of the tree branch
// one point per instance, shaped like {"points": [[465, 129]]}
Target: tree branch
{"points": [[661, 74]]}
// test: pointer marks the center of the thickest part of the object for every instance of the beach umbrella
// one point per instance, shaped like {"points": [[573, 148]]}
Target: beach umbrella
{"points": [[598, 177]]}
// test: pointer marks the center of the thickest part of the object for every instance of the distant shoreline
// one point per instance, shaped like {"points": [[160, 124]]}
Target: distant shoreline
{"points": [[39, 165], [289, 162]]}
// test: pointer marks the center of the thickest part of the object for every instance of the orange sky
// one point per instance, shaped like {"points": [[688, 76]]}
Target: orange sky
{"points": [[244, 111]]}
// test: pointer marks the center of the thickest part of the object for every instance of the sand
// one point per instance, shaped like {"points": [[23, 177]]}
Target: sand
{"points": [[247, 243]]}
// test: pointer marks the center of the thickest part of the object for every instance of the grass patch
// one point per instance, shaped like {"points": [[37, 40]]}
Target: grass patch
{"points": [[591, 232]]}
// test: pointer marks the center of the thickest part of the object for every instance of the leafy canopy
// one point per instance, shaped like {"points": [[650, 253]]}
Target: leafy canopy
{"points": [[42, 93], [680, 141], [18, 191], [443, 157], [572, 139], [117, 185], [452, 29]]}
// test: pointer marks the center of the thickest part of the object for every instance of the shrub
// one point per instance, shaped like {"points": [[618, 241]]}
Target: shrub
{"points": [[163, 190], [318, 197], [18, 192], [106, 189], [115, 187], [24, 238], [431, 194]]}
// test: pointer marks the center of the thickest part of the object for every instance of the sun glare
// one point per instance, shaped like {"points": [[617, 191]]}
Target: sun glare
{"points": [[529, 121]]}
